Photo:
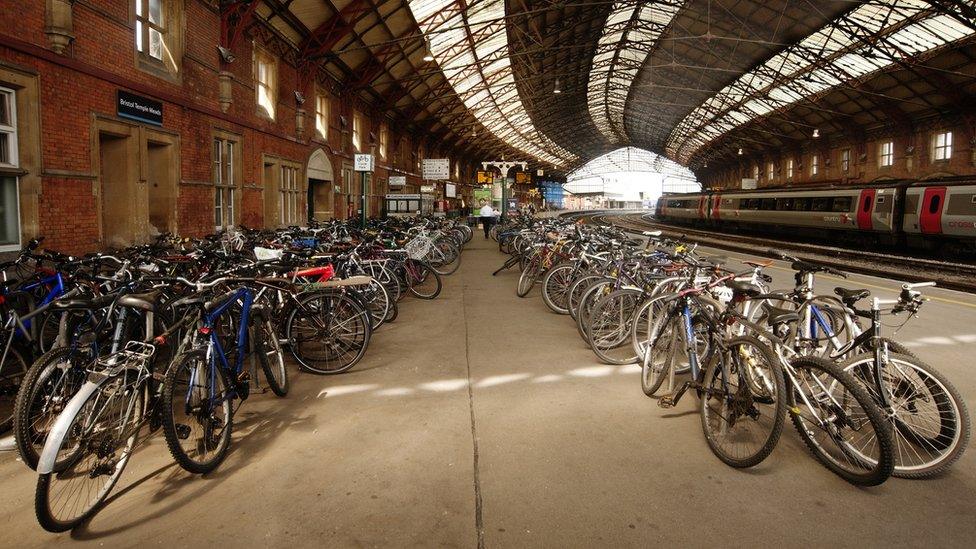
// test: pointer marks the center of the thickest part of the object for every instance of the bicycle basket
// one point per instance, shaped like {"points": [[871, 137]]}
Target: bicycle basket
{"points": [[418, 248]]}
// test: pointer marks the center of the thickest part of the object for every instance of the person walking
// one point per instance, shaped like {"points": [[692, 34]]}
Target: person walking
{"points": [[487, 215]]}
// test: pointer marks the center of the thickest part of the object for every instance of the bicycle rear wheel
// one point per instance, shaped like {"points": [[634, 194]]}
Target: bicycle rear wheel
{"points": [[840, 423], [91, 456], [328, 332], [609, 327], [422, 280], [931, 425], [272, 358], [555, 287], [743, 404]]}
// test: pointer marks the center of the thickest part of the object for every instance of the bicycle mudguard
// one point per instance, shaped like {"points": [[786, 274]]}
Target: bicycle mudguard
{"points": [[49, 455]]}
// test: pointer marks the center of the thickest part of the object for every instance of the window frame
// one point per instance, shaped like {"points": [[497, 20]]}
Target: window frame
{"points": [[10, 130], [814, 165], [789, 168], [288, 194], [384, 141], [942, 152], [226, 177], [886, 154], [323, 110], [770, 171], [845, 160], [145, 27], [357, 131], [263, 56]]}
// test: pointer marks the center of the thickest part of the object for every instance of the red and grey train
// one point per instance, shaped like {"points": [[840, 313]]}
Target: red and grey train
{"points": [[932, 214]]}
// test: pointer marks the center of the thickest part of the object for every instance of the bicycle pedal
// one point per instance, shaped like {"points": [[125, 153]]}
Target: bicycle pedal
{"points": [[667, 401]]}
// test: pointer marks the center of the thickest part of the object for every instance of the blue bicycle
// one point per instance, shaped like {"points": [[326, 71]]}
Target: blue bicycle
{"points": [[202, 383]]}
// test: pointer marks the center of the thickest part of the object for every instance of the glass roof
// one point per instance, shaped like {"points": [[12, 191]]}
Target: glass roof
{"points": [[631, 31], [628, 170], [869, 38], [471, 46]]}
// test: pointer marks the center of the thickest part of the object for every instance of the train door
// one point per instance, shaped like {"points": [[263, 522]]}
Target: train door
{"points": [[716, 201], [865, 209], [930, 216], [702, 203]]}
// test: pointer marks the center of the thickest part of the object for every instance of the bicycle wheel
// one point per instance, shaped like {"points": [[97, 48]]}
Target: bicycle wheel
{"points": [[839, 422], [597, 290], [197, 413], [328, 332], [12, 374], [743, 419], [931, 425], [657, 359], [608, 329], [527, 279], [272, 358], [450, 258], [422, 281], [576, 291], [47, 388], [555, 288], [91, 456]]}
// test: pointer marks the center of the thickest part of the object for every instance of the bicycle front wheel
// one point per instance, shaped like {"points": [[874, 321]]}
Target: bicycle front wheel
{"points": [[743, 404], [328, 333], [197, 414], [272, 358], [422, 280], [839, 422]]}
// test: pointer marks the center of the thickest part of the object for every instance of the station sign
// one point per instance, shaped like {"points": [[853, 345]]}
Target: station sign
{"points": [[428, 189], [363, 163], [398, 181], [138, 108], [486, 178], [436, 168], [523, 178]]}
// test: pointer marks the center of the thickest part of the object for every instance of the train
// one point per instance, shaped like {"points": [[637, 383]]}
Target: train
{"points": [[936, 214]]}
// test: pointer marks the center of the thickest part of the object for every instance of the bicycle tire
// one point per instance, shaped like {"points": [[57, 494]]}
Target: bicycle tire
{"points": [[628, 301], [746, 397], [555, 285], [911, 444], [178, 397], [345, 325], [870, 474], [271, 356], [421, 273], [13, 372]]}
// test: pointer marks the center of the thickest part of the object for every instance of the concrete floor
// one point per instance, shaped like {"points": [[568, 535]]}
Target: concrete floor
{"points": [[481, 418]]}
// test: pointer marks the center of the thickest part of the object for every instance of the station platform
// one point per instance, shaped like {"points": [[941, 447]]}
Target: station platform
{"points": [[481, 419]]}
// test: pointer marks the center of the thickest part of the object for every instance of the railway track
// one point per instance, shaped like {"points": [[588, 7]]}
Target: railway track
{"points": [[948, 274]]}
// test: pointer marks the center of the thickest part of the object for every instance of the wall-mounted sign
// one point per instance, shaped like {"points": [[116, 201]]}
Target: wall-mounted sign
{"points": [[486, 178], [398, 181], [428, 189], [363, 163], [436, 168], [142, 109], [523, 178], [450, 190]]}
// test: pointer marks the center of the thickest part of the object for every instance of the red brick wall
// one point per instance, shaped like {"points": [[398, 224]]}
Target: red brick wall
{"points": [[82, 84]]}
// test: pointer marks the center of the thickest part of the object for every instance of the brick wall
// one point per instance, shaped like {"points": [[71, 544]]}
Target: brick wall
{"points": [[81, 86]]}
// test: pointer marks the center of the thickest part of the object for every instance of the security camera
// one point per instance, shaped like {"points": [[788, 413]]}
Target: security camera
{"points": [[226, 54]]}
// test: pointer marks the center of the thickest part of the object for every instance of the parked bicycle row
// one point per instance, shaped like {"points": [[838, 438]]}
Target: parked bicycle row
{"points": [[865, 405], [102, 350]]}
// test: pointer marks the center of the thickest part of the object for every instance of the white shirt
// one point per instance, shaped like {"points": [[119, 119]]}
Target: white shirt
{"points": [[486, 211]]}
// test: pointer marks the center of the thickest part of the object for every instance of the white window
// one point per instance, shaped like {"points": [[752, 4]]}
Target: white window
{"points": [[357, 131], [265, 81], [770, 171], [789, 168], [225, 183], [288, 196], [755, 172], [9, 190], [942, 146], [322, 115], [150, 28], [845, 160], [886, 154], [815, 164], [384, 140]]}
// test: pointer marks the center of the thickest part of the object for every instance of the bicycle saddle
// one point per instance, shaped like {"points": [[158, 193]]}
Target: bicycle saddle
{"points": [[850, 297], [776, 315], [84, 304], [743, 288], [146, 301]]}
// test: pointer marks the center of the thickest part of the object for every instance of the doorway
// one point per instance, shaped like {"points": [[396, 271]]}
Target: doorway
{"points": [[117, 174], [162, 180], [321, 195]]}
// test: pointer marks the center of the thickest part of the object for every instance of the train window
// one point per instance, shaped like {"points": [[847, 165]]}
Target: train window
{"points": [[881, 200], [784, 204], [934, 204], [820, 205], [973, 199], [769, 204], [866, 205], [842, 204], [801, 204]]}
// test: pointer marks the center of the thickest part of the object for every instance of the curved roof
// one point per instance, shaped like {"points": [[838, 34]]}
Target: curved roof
{"points": [[690, 79]]}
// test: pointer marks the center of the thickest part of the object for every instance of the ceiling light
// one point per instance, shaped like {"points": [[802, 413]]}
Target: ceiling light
{"points": [[428, 56], [740, 151], [816, 132], [555, 88]]}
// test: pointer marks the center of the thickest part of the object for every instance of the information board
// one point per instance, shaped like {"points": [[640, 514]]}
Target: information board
{"points": [[363, 163], [436, 168], [398, 181], [450, 190]]}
